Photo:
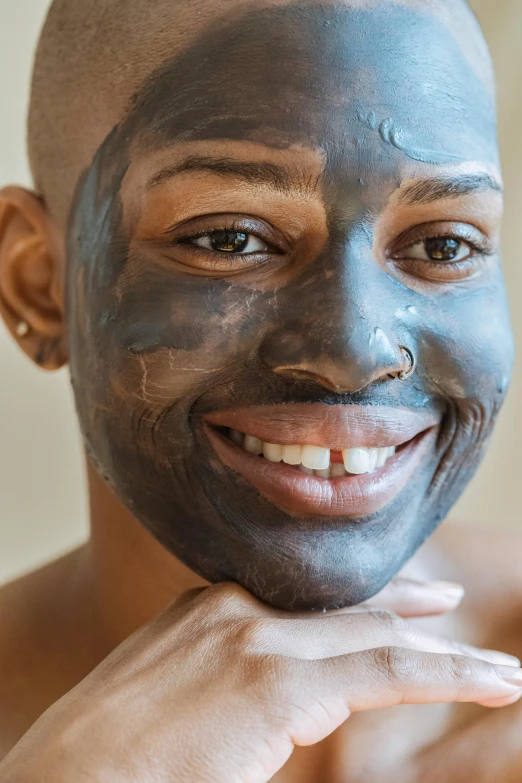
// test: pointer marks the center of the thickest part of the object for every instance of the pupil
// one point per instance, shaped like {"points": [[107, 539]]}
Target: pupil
{"points": [[442, 248], [229, 241]]}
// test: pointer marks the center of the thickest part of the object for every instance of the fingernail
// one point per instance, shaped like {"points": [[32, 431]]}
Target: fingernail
{"points": [[451, 589], [511, 674]]}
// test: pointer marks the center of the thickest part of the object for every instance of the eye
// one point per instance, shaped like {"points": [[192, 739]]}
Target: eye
{"points": [[442, 250], [230, 241]]}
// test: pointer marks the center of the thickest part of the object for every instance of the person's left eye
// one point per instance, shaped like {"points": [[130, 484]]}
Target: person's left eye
{"points": [[442, 250], [230, 241]]}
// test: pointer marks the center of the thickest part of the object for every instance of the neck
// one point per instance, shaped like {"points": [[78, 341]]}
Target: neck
{"points": [[132, 577]]}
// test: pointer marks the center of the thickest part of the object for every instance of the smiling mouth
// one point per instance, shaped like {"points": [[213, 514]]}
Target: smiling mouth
{"points": [[316, 460], [327, 480]]}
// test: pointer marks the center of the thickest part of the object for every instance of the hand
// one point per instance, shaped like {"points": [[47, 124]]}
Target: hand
{"points": [[220, 688]]}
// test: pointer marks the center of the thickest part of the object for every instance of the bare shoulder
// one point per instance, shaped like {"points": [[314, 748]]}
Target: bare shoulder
{"points": [[34, 646]]}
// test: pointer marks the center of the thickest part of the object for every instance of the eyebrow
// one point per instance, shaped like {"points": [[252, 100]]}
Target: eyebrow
{"points": [[428, 190], [258, 173]]}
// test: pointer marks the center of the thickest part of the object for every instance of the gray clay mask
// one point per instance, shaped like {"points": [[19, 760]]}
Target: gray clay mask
{"points": [[331, 110]]}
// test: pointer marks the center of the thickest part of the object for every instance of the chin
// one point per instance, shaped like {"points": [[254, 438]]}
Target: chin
{"points": [[290, 561]]}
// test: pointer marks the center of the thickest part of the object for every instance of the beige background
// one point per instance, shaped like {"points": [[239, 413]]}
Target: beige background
{"points": [[42, 495]]}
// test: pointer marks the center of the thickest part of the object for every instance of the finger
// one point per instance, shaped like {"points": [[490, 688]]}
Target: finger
{"points": [[498, 703], [387, 677], [409, 598], [341, 634], [412, 677]]}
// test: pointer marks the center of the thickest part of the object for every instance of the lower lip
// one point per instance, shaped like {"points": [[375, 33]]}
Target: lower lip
{"points": [[347, 496]]}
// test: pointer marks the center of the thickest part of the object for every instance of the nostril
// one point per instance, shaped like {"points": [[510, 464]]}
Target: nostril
{"points": [[409, 366], [340, 364]]}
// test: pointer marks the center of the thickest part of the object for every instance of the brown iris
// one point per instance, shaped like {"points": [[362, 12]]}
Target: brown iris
{"points": [[442, 248], [228, 241]]}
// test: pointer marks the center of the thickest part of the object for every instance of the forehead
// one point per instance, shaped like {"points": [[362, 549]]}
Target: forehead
{"points": [[338, 76]]}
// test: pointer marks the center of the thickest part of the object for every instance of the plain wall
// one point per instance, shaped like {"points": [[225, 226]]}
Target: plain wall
{"points": [[42, 495]]}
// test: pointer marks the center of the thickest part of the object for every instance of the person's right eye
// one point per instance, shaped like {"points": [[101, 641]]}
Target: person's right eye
{"points": [[230, 241], [225, 244]]}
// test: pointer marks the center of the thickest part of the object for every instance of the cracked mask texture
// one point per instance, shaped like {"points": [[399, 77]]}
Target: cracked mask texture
{"points": [[153, 349]]}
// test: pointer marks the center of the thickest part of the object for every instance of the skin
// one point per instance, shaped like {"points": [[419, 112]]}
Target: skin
{"points": [[160, 338], [146, 371]]}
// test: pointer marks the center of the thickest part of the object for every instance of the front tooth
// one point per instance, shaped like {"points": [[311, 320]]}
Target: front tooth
{"points": [[315, 457], [292, 455], [337, 470], [253, 445], [373, 459], [273, 452], [237, 437], [356, 461], [309, 471], [323, 473], [391, 451], [382, 456]]}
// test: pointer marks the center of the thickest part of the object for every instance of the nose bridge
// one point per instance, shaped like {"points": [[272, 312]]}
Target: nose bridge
{"points": [[336, 326]]}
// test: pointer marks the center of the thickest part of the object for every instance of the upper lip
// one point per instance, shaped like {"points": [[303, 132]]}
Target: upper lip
{"points": [[336, 427]]}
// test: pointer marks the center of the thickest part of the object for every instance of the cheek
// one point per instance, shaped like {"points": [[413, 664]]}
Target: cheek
{"points": [[164, 340], [467, 346], [465, 349]]}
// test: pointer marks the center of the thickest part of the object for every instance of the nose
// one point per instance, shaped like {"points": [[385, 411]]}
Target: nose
{"points": [[337, 330]]}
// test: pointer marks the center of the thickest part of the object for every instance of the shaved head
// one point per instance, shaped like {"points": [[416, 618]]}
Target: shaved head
{"points": [[93, 57]]}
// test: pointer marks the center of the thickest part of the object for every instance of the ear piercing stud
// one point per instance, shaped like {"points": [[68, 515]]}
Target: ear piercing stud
{"points": [[22, 330]]}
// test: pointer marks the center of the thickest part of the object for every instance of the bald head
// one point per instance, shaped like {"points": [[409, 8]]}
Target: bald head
{"points": [[93, 57]]}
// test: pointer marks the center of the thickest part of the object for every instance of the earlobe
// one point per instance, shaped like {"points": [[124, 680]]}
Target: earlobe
{"points": [[31, 274]]}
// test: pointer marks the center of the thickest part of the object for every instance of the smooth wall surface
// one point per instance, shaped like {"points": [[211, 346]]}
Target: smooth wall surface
{"points": [[42, 496]]}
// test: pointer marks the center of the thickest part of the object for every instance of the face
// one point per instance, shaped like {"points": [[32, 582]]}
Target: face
{"points": [[297, 209]]}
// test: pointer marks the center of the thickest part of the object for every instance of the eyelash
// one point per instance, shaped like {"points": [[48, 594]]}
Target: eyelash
{"points": [[439, 271], [443, 271]]}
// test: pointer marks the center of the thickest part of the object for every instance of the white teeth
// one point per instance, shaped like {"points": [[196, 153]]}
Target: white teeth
{"points": [[272, 452], [253, 445], [292, 455], [356, 461], [382, 456], [237, 437], [373, 459], [315, 457]]}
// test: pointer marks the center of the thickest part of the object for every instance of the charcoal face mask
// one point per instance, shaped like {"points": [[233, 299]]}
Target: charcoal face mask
{"points": [[373, 96]]}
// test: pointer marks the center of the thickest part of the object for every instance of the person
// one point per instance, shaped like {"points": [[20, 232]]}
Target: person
{"points": [[265, 238]]}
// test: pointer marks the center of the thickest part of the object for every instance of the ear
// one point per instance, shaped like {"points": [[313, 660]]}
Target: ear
{"points": [[32, 267]]}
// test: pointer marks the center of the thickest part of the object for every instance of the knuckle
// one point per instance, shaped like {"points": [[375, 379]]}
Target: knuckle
{"points": [[396, 663], [252, 636], [227, 597], [392, 623], [462, 669]]}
